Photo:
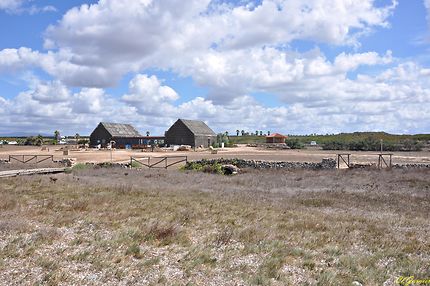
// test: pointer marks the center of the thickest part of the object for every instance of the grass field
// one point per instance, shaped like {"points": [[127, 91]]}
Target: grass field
{"points": [[118, 226]]}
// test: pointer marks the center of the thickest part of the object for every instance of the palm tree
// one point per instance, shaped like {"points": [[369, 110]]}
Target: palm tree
{"points": [[256, 132], [237, 132], [268, 133], [243, 132], [261, 133], [57, 135], [226, 133], [147, 133]]}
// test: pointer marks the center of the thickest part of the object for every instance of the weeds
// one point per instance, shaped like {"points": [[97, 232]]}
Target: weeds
{"points": [[265, 228]]}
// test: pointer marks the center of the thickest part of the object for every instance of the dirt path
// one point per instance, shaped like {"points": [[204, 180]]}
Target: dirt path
{"points": [[250, 153]]}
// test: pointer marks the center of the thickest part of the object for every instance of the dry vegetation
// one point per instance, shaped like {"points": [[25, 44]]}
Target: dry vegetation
{"points": [[116, 226]]}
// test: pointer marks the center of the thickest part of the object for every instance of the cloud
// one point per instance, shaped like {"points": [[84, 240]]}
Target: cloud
{"points": [[169, 35], [219, 46], [10, 5], [19, 6], [427, 6], [51, 92], [89, 101], [348, 62], [149, 96], [395, 100], [232, 50]]}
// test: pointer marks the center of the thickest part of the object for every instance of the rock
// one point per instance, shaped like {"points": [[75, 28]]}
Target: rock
{"points": [[230, 169]]}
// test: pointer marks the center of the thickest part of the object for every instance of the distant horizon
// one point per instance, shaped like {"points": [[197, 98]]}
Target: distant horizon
{"points": [[46, 135]]}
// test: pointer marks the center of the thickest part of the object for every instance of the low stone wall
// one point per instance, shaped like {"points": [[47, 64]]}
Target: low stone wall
{"points": [[411, 166], [241, 163]]}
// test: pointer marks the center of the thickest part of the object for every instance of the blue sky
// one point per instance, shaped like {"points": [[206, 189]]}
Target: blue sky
{"points": [[287, 66]]}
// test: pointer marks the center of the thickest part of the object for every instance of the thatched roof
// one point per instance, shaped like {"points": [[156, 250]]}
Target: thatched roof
{"points": [[120, 130], [197, 127]]}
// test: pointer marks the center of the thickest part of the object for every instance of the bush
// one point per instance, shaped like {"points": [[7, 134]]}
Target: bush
{"points": [[373, 144], [81, 166], [221, 138], [34, 140], [294, 144], [334, 145], [205, 167]]}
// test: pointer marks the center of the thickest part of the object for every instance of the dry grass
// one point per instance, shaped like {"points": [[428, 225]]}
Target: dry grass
{"points": [[111, 226]]}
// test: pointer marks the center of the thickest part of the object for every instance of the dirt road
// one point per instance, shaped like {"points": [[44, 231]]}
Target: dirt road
{"points": [[243, 152]]}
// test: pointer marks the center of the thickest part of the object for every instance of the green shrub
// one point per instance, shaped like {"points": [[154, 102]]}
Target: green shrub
{"points": [[373, 144], [294, 144], [135, 164], [206, 167], [80, 166]]}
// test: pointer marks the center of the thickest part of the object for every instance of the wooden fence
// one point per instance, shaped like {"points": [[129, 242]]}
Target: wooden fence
{"points": [[158, 162], [30, 159]]}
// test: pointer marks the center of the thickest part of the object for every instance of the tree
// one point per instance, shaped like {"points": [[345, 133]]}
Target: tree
{"points": [[34, 140], [221, 138], [243, 132], [256, 132], [237, 132], [226, 133], [147, 133], [39, 140], [57, 135], [261, 133], [268, 133]]}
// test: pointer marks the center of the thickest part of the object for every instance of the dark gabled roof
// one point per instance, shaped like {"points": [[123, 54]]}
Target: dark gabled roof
{"points": [[120, 130], [197, 127]]}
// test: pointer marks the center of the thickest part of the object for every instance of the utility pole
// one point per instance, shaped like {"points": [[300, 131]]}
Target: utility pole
{"points": [[381, 145]]}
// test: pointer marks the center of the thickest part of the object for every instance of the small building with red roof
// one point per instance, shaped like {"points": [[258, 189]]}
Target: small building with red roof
{"points": [[276, 138]]}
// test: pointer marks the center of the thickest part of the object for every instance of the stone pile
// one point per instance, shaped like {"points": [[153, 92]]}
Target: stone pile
{"points": [[411, 166], [68, 162], [242, 163]]}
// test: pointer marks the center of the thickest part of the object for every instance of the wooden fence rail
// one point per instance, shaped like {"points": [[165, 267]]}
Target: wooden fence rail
{"points": [[385, 160], [158, 164], [30, 158]]}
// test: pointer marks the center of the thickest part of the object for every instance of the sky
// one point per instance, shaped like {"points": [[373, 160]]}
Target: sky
{"points": [[287, 66]]}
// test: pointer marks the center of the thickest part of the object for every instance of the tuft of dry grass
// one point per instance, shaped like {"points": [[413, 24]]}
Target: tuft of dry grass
{"points": [[110, 226]]}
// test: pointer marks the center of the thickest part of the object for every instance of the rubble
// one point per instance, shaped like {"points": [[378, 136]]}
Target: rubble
{"points": [[256, 164]]}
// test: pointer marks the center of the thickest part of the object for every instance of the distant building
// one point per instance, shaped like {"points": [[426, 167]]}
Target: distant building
{"points": [[124, 135], [276, 138], [190, 132]]}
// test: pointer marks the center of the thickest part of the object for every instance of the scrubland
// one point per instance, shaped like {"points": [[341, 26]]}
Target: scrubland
{"points": [[156, 227]]}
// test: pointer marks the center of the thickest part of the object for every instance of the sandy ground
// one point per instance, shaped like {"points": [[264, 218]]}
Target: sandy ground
{"points": [[243, 152]]}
